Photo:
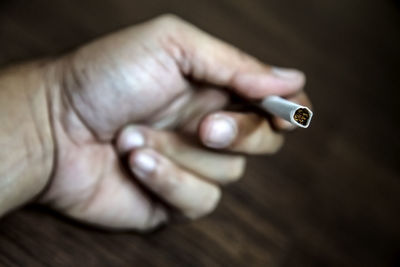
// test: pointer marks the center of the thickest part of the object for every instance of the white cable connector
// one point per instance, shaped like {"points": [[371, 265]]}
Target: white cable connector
{"points": [[287, 110]]}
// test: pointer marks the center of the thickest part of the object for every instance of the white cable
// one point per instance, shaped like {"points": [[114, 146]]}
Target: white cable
{"points": [[287, 110]]}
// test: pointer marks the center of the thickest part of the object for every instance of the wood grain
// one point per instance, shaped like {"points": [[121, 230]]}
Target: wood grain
{"points": [[331, 197]]}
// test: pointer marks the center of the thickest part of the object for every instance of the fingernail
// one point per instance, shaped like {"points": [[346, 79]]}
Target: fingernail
{"points": [[221, 133], [143, 165], [131, 139], [287, 74]]}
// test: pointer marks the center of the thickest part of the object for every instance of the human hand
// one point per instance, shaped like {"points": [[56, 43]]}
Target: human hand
{"points": [[152, 94]]}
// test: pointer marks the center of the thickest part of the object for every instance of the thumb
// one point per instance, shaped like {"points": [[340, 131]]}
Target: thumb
{"points": [[208, 59]]}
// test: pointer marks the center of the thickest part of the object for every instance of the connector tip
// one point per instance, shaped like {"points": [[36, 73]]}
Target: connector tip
{"points": [[302, 116]]}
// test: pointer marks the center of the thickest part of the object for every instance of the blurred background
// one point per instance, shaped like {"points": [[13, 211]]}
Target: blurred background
{"points": [[331, 197]]}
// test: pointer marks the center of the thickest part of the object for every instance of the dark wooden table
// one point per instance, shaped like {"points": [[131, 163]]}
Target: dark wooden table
{"points": [[331, 197]]}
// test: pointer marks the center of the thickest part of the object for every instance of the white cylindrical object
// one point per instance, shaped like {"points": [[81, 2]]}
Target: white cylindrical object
{"points": [[287, 110]]}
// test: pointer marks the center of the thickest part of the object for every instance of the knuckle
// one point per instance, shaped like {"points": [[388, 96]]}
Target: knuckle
{"points": [[168, 179], [165, 183], [168, 19]]}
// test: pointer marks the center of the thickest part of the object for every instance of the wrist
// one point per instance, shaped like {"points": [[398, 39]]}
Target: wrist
{"points": [[26, 133]]}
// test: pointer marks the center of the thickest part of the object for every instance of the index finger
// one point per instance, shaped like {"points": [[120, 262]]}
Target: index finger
{"points": [[208, 59]]}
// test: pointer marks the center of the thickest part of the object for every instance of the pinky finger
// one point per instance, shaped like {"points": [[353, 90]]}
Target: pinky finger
{"points": [[190, 194]]}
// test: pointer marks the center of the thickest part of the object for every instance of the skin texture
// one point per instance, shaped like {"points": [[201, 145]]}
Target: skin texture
{"points": [[138, 127], [26, 154]]}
